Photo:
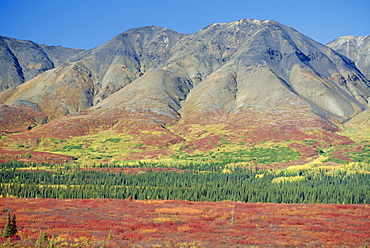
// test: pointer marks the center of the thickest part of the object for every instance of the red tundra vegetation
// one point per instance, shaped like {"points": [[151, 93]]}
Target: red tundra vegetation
{"points": [[7, 156], [129, 170], [176, 223]]}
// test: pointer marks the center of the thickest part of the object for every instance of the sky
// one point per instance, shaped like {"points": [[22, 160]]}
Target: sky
{"points": [[89, 23]]}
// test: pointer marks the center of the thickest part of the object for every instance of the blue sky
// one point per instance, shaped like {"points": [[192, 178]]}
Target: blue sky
{"points": [[89, 23]]}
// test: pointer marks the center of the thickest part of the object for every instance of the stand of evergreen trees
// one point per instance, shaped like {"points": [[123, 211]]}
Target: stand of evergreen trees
{"points": [[245, 185], [10, 228]]}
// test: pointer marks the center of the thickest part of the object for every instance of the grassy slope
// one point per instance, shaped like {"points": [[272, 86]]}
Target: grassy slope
{"points": [[227, 143], [358, 128]]}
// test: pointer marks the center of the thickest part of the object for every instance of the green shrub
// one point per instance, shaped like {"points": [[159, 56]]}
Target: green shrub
{"points": [[113, 140], [72, 147]]}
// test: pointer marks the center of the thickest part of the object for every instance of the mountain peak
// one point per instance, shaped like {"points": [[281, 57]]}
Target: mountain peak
{"points": [[146, 29], [243, 23], [353, 37]]}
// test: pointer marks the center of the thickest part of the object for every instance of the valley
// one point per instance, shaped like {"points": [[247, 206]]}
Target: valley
{"points": [[246, 133]]}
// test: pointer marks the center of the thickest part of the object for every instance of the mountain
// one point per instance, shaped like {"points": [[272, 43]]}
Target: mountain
{"points": [[242, 82], [357, 48], [22, 60], [95, 74]]}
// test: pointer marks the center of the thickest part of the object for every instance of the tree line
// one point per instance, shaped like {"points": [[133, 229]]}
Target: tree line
{"points": [[239, 184]]}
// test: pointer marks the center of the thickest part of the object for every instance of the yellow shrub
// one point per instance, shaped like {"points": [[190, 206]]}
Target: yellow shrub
{"points": [[287, 179]]}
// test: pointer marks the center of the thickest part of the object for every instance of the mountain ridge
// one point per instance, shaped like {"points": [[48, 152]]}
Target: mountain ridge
{"points": [[29, 59], [260, 79]]}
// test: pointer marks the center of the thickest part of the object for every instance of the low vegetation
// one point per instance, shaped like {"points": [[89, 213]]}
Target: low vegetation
{"points": [[193, 193], [177, 223], [258, 155]]}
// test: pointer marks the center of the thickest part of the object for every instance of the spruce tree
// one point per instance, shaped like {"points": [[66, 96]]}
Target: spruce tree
{"points": [[7, 228], [13, 226]]}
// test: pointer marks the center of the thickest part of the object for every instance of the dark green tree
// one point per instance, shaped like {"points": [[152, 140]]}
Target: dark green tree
{"points": [[8, 227], [13, 226]]}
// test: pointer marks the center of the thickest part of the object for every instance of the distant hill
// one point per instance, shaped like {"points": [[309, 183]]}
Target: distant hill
{"points": [[356, 48], [244, 82]]}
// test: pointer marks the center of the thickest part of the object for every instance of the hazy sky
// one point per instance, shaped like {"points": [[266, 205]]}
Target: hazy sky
{"points": [[89, 23]]}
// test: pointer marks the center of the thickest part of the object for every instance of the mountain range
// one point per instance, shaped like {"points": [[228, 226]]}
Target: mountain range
{"points": [[152, 92]]}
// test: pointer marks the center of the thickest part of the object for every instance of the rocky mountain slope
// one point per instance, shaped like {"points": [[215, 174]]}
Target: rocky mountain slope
{"points": [[247, 81], [356, 48], [93, 75], [22, 60]]}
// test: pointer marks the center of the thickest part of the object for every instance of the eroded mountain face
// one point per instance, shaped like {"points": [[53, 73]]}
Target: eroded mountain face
{"points": [[357, 48], [244, 75]]}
